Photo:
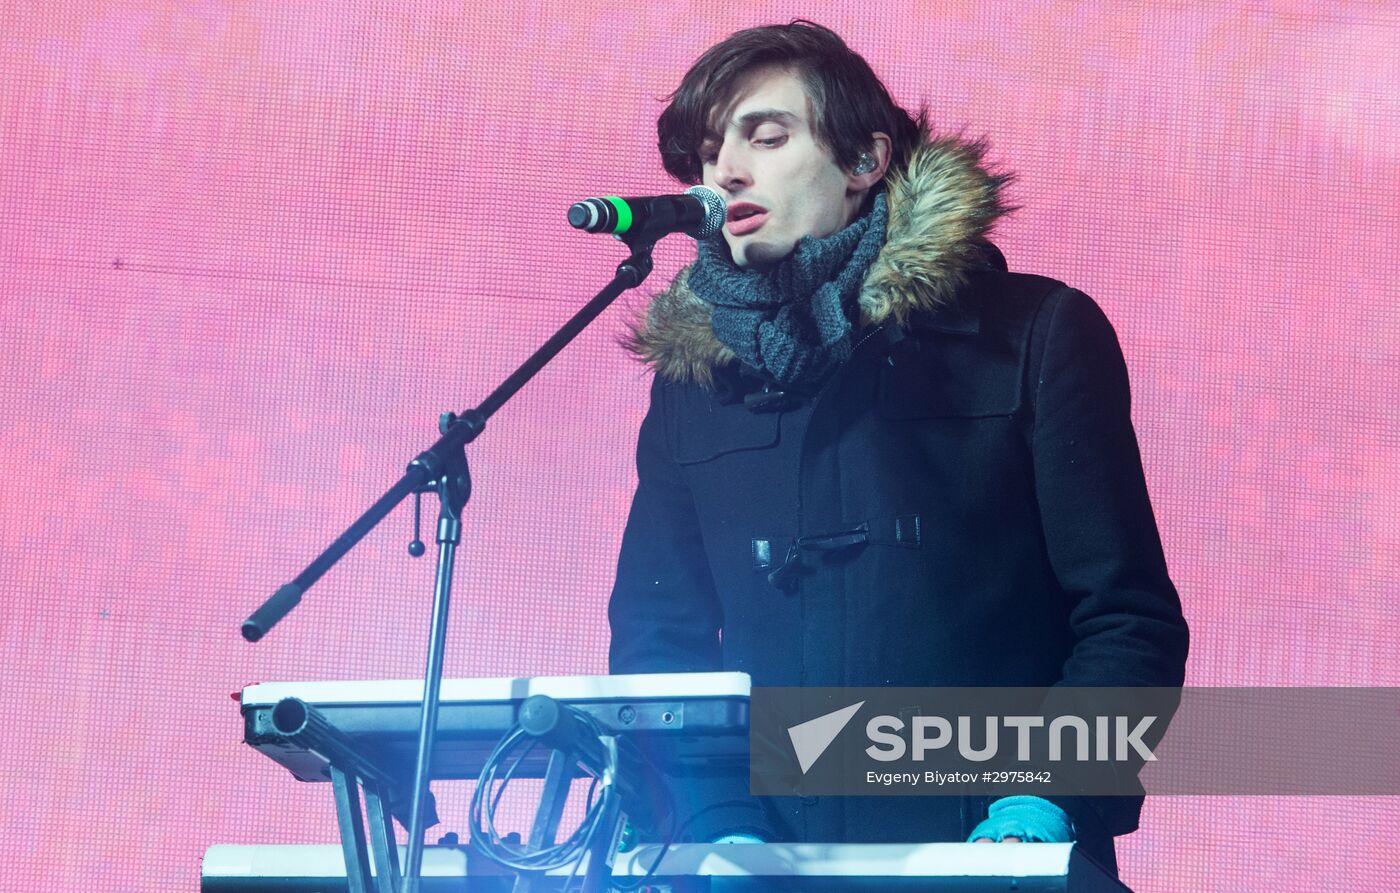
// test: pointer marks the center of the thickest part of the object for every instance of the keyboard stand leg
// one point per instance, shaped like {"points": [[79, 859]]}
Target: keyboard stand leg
{"points": [[352, 831], [388, 879], [558, 778], [598, 878]]}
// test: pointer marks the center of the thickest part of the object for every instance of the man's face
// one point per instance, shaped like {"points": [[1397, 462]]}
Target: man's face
{"points": [[781, 184]]}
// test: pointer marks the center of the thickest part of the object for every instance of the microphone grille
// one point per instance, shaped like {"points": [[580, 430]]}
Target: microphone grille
{"points": [[715, 211]]}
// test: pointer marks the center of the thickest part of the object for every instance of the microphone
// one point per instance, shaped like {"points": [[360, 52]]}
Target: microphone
{"points": [[699, 212]]}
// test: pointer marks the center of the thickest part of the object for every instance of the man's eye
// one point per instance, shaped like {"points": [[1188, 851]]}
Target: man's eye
{"points": [[771, 141]]}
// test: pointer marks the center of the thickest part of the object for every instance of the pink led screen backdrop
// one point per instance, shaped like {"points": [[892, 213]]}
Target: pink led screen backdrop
{"points": [[250, 250]]}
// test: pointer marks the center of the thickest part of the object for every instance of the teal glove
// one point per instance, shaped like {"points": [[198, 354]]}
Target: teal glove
{"points": [[738, 837], [1033, 819]]}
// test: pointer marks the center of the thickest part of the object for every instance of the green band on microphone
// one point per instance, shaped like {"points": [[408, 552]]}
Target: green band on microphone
{"points": [[624, 214]]}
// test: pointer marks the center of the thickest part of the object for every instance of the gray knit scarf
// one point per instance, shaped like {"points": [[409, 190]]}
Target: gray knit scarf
{"points": [[792, 323]]}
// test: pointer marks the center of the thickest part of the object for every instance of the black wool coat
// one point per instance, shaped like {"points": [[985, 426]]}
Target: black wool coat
{"points": [[961, 504]]}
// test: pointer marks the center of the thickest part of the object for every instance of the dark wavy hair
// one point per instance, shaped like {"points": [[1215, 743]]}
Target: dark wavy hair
{"points": [[848, 102]]}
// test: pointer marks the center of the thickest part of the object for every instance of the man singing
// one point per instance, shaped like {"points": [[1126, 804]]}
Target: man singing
{"points": [[873, 456]]}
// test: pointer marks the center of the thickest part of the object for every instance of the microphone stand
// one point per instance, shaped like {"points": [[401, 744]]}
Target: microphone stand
{"points": [[442, 468]]}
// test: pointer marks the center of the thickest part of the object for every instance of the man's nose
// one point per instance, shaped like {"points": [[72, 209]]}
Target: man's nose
{"points": [[732, 173]]}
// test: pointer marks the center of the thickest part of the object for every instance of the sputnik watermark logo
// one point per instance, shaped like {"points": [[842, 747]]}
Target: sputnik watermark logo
{"points": [[810, 739], [1088, 741], [963, 740]]}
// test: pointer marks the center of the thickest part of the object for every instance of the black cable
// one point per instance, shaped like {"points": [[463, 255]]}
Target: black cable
{"points": [[487, 838], [671, 833], [509, 753]]}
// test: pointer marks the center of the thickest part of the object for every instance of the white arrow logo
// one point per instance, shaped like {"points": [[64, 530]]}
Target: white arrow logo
{"points": [[810, 739]]}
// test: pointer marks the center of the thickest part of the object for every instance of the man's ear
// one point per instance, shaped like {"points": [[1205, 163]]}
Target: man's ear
{"points": [[879, 151]]}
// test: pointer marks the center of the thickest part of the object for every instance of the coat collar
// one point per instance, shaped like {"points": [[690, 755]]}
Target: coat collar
{"points": [[942, 205]]}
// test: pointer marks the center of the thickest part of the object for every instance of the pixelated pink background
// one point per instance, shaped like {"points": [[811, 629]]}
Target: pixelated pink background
{"points": [[249, 250]]}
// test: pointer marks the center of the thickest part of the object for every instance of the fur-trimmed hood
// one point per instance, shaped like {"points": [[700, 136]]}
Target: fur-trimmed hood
{"points": [[941, 207]]}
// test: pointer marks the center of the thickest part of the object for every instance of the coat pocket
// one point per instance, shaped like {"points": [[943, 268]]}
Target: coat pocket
{"points": [[952, 378], [702, 433]]}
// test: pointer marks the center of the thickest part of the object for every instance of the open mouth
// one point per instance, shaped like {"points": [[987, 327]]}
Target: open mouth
{"points": [[745, 217]]}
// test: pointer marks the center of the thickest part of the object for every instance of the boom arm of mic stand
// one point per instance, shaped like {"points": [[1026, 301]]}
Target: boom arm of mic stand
{"points": [[457, 431], [630, 274], [420, 471]]}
